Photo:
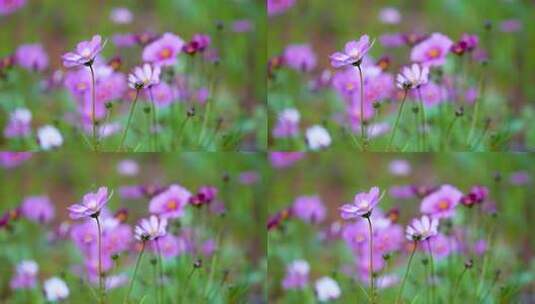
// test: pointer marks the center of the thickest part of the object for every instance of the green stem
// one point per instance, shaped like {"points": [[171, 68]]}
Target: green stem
{"points": [[457, 284], [135, 272], [161, 271], [397, 121], [362, 124], [372, 289], [400, 292], [448, 133], [188, 280], [432, 272], [423, 120], [154, 121], [93, 120], [100, 277], [130, 115]]}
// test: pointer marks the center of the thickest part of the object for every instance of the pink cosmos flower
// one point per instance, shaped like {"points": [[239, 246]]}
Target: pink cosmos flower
{"points": [[121, 15], [25, 275], [19, 124], [242, 26], [10, 6], [422, 229], [412, 77], [144, 77], [85, 53], [392, 40], [55, 289], [353, 54], [363, 204], [151, 228], [205, 195], [208, 247], [401, 192], [510, 26], [441, 203], [128, 167], [296, 275], [38, 209], [32, 57], [300, 57], [170, 203], [162, 94], [441, 246], [432, 94], [389, 15], [91, 204], [520, 178], [284, 159], [163, 52], [432, 51], [287, 123], [277, 7], [327, 289], [399, 167], [477, 195], [168, 245], [10, 160], [309, 208]]}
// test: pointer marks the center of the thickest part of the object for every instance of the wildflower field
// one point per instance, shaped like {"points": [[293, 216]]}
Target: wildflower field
{"points": [[173, 228], [445, 228], [147, 76], [401, 76]]}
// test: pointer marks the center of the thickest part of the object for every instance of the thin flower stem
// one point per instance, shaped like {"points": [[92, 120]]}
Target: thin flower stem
{"points": [[423, 120], [188, 280], [135, 272], [476, 109], [432, 272], [208, 286], [372, 290], [205, 120], [448, 133], [130, 115], [397, 121], [154, 120], [161, 270], [456, 288], [362, 124], [93, 120], [400, 292], [100, 278]]}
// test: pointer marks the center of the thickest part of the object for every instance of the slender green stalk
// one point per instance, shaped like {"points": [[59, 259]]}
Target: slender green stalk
{"points": [[423, 120], [456, 288], [476, 108], [205, 120], [135, 272], [432, 281], [372, 289], [448, 132], [213, 264], [362, 124], [100, 277], [188, 280], [397, 121], [130, 115], [400, 292], [154, 121], [161, 293], [93, 119]]}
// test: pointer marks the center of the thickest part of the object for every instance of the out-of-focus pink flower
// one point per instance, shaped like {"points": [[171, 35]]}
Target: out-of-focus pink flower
{"points": [[10, 6], [85, 53], [389, 15], [19, 124], [327, 289], [124, 40], [309, 208], [162, 94], [402, 192], [242, 26], [249, 177], [392, 40], [32, 57], [477, 195], [432, 51], [432, 94], [91, 204], [170, 203], [353, 54], [441, 246], [121, 15], [422, 228], [441, 203], [277, 7], [412, 77], [49, 137], [284, 159], [300, 57], [362, 205], [296, 275], [25, 275], [317, 137], [520, 178], [55, 289], [471, 94], [128, 167], [204, 195], [10, 160], [399, 167], [164, 51], [208, 247], [511, 26], [168, 245], [38, 209], [287, 123], [480, 247]]}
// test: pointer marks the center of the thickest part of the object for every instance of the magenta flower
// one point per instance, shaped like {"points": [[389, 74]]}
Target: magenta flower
{"points": [[163, 51], [91, 204], [296, 275], [432, 51], [19, 124], [10, 160], [144, 77], [277, 7], [300, 57], [10, 6], [432, 94], [169, 246], [422, 229], [353, 54], [309, 208], [38, 209], [205, 195], [510, 26], [389, 15], [151, 228], [85, 53], [441, 203], [32, 57], [25, 275], [287, 123], [363, 204], [162, 94], [441, 246], [170, 203], [284, 159], [412, 77], [477, 195], [400, 167]]}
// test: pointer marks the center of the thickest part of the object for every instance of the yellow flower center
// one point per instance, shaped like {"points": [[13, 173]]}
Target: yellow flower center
{"points": [[172, 205], [443, 204], [165, 53], [433, 53]]}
